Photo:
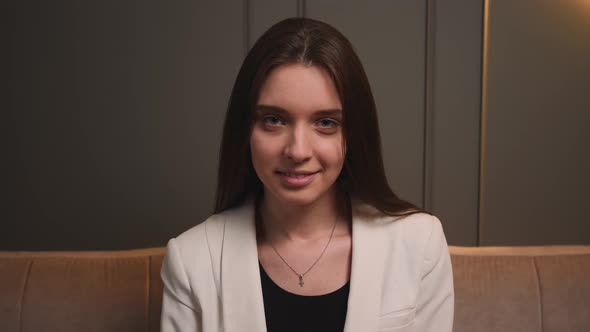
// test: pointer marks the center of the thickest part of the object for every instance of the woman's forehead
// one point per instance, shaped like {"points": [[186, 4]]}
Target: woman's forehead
{"points": [[261, 109], [297, 86]]}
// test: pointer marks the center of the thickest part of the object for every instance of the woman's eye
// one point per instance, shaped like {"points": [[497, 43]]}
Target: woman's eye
{"points": [[272, 120], [327, 123]]}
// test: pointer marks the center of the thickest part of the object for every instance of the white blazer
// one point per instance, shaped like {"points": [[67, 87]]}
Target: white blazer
{"points": [[401, 277]]}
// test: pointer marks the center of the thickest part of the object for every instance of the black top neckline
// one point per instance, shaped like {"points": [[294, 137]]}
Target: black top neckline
{"points": [[266, 279]]}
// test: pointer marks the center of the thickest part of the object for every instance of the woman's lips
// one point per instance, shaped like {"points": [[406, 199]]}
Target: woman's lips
{"points": [[296, 180]]}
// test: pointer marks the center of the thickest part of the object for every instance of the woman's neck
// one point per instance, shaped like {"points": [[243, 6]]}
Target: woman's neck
{"points": [[281, 221]]}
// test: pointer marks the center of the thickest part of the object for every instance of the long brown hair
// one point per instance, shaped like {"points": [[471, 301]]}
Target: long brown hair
{"points": [[310, 42]]}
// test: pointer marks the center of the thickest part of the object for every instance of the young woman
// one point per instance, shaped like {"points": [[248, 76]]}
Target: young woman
{"points": [[306, 235]]}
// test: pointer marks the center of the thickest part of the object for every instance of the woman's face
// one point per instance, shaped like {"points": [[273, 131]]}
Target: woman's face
{"points": [[297, 141]]}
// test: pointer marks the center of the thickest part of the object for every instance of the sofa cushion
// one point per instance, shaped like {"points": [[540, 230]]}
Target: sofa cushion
{"points": [[81, 291], [542, 288], [496, 289], [565, 290]]}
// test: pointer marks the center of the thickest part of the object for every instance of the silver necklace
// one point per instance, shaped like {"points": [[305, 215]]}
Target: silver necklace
{"points": [[301, 275]]}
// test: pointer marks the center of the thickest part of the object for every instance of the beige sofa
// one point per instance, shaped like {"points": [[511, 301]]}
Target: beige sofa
{"points": [[503, 289]]}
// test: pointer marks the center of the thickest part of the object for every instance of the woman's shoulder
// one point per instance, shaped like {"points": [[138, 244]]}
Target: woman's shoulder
{"points": [[423, 233], [417, 230], [419, 223], [206, 231], [194, 256], [196, 248], [210, 231], [416, 223], [419, 236]]}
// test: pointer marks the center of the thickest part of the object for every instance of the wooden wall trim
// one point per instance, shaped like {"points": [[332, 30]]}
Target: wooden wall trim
{"points": [[482, 126], [428, 157]]}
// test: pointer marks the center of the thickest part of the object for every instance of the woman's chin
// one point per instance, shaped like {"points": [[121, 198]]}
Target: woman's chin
{"points": [[297, 199], [300, 197]]}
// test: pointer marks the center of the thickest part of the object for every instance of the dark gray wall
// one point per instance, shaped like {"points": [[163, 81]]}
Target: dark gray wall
{"points": [[453, 116], [535, 154], [115, 111]]}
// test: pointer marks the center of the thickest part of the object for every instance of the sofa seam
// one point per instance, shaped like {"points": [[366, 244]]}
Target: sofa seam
{"points": [[149, 293], [22, 297], [539, 290]]}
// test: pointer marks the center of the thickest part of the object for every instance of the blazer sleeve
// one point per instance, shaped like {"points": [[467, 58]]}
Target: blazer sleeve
{"points": [[436, 299], [179, 310]]}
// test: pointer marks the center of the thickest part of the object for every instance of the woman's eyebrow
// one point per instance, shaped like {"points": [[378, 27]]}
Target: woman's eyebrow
{"points": [[282, 111]]}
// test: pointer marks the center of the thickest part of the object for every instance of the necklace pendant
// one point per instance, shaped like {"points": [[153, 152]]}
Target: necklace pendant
{"points": [[301, 283]]}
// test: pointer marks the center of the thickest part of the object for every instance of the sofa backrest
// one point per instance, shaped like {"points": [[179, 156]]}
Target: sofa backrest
{"points": [[107, 291], [499, 289], [545, 288]]}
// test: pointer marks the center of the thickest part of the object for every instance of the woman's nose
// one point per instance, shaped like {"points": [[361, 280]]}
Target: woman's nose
{"points": [[298, 146]]}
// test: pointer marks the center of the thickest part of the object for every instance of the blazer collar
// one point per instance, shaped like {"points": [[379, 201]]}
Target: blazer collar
{"points": [[367, 270], [241, 290]]}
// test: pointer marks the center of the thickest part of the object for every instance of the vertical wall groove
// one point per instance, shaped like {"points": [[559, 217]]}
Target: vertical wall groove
{"points": [[428, 157], [482, 124], [300, 8], [246, 26]]}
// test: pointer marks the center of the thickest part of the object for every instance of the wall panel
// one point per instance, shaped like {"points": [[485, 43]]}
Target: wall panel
{"points": [[390, 39], [264, 13], [535, 179], [453, 120], [114, 108]]}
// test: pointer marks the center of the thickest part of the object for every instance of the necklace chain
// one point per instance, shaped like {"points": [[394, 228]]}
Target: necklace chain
{"points": [[301, 275]]}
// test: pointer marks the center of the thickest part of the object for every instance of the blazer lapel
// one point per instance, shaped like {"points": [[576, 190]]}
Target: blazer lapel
{"points": [[241, 291], [243, 306], [366, 277]]}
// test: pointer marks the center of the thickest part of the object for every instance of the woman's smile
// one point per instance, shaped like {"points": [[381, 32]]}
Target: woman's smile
{"points": [[297, 179]]}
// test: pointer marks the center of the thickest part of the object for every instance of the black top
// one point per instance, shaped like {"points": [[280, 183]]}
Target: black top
{"points": [[286, 311]]}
